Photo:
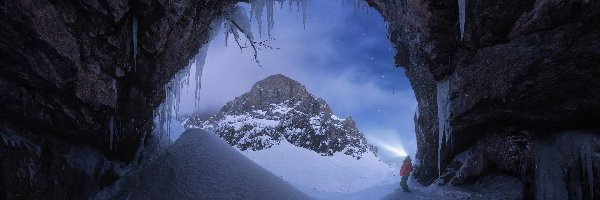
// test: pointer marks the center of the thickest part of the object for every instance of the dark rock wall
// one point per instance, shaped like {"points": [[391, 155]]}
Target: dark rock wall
{"points": [[524, 69], [69, 69]]}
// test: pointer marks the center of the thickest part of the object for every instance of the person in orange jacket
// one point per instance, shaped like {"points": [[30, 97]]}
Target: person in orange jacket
{"points": [[405, 173]]}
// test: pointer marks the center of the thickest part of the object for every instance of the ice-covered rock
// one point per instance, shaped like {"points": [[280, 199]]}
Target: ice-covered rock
{"points": [[278, 108]]}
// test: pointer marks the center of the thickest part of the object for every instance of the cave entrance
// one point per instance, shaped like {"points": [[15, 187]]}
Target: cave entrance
{"points": [[339, 50]]}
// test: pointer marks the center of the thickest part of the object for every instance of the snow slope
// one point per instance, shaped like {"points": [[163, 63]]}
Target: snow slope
{"points": [[324, 176], [199, 165]]}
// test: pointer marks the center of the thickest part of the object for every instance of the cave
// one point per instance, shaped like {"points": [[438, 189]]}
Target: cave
{"points": [[512, 85]]}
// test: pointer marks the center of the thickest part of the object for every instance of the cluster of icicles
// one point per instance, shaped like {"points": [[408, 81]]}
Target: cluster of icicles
{"points": [[235, 22]]}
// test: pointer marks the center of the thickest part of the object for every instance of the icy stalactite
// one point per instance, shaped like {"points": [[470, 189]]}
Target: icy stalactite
{"points": [[256, 10], [461, 17], [586, 155], [549, 183], [565, 163], [11, 138], [199, 63], [134, 28], [237, 21], [270, 17], [417, 113], [169, 108], [111, 131], [360, 5], [443, 108]]}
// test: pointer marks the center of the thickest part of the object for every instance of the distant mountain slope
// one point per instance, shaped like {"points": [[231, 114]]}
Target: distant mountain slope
{"points": [[278, 108]]}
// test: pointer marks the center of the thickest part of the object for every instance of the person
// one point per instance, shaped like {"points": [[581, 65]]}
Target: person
{"points": [[405, 173]]}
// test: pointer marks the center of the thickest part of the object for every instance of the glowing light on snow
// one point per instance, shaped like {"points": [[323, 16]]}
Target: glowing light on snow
{"points": [[396, 148]]}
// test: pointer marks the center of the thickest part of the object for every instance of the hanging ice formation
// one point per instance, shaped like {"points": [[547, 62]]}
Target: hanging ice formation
{"points": [[236, 22], [360, 5], [112, 131], [461, 17], [257, 7], [566, 160], [11, 138], [443, 108], [134, 32], [169, 109], [549, 174]]}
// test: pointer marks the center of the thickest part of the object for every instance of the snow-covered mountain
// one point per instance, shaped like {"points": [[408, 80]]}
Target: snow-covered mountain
{"points": [[278, 109]]}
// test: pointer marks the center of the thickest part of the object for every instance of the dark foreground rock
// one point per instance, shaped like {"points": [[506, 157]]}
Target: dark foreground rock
{"points": [[72, 76], [521, 71], [86, 73]]}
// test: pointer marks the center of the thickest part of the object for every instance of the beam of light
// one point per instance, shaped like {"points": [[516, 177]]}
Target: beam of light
{"points": [[397, 150]]}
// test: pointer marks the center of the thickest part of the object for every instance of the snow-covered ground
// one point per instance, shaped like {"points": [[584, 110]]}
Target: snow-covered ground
{"points": [[199, 165], [327, 177]]}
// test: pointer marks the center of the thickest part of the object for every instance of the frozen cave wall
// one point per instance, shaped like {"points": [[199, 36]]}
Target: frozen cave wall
{"points": [[492, 78], [79, 83]]}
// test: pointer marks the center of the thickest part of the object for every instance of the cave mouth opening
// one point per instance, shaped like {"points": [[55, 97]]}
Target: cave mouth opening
{"points": [[339, 50]]}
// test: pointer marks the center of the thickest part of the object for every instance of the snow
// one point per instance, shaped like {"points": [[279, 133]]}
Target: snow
{"points": [[281, 108], [315, 122], [443, 109], [335, 117], [239, 121], [463, 158], [461, 17], [314, 174], [11, 138], [199, 165]]}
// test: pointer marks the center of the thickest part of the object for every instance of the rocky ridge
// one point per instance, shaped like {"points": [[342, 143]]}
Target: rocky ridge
{"points": [[279, 108]]}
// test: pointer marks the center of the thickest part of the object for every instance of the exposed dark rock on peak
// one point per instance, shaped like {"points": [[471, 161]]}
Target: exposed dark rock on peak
{"points": [[278, 108]]}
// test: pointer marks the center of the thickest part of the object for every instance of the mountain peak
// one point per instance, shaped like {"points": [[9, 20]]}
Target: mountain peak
{"points": [[279, 108], [277, 88]]}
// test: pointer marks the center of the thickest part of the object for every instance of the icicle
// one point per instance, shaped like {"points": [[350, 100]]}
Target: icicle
{"points": [[585, 153], [549, 183], [257, 9], [270, 18], [443, 108], [461, 17], [11, 138], [304, 13], [134, 28], [111, 131]]}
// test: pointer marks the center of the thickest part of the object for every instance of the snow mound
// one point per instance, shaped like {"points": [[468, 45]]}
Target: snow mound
{"points": [[311, 172], [199, 165]]}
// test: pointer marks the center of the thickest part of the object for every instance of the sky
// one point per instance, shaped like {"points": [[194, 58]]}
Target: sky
{"points": [[339, 54]]}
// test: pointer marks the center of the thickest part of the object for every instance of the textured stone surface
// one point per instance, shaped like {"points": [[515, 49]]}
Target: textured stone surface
{"points": [[524, 69], [67, 68]]}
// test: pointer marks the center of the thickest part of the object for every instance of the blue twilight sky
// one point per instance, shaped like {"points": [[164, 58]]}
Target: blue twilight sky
{"points": [[342, 56]]}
